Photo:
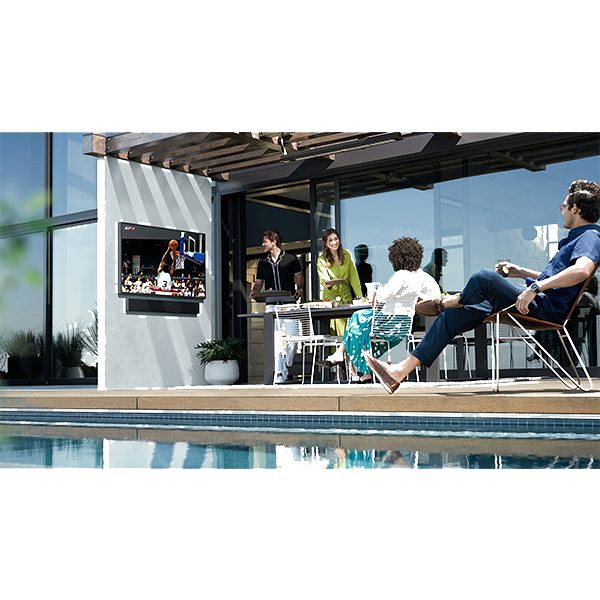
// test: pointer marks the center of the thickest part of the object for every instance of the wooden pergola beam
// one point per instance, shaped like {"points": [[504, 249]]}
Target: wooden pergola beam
{"points": [[203, 163], [185, 155], [254, 142], [216, 154], [235, 166], [184, 140], [300, 136], [353, 143], [189, 159], [94, 144], [330, 138], [131, 141]]}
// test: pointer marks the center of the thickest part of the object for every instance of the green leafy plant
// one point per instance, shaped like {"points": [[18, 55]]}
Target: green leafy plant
{"points": [[227, 349], [23, 344], [25, 350]]}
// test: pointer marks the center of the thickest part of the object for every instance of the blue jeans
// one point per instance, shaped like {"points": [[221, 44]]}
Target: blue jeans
{"points": [[486, 292]]}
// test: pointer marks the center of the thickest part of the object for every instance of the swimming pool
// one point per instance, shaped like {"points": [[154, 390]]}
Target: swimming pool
{"points": [[56, 446]]}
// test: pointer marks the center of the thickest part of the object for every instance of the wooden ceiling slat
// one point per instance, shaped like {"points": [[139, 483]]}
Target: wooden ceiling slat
{"points": [[241, 165], [355, 143], [269, 135], [129, 141], [255, 143], [202, 163], [201, 158], [182, 141], [299, 136], [333, 137], [189, 153], [188, 159]]}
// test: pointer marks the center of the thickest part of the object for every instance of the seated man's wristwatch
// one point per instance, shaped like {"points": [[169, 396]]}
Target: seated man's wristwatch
{"points": [[534, 287]]}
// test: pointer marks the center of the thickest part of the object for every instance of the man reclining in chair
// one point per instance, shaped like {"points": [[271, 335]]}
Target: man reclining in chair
{"points": [[546, 295]]}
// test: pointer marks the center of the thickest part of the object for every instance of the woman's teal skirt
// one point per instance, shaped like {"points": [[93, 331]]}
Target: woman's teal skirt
{"points": [[358, 332]]}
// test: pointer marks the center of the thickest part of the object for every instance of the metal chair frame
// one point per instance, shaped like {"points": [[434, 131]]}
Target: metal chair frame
{"points": [[412, 340], [306, 336], [524, 325], [385, 323]]}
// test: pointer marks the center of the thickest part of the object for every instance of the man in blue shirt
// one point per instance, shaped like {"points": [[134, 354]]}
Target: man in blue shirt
{"points": [[547, 295]]}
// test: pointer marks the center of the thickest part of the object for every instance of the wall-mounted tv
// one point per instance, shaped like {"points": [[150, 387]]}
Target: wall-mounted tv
{"points": [[161, 263]]}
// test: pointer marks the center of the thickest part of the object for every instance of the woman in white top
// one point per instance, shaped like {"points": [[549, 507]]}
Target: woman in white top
{"points": [[407, 282]]}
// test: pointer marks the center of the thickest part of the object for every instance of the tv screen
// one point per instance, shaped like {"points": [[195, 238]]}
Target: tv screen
{"points": [[163, 263]]}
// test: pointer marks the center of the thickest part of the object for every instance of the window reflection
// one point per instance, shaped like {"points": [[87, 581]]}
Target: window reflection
{"points": [[377, 220], [21, 306], [476, 220], [472, 222], [21, 177], [75, 324], [73, 175]]}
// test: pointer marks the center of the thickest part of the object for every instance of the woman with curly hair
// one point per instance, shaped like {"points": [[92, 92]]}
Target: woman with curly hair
{"points": [[338, 276], [406, 255]]}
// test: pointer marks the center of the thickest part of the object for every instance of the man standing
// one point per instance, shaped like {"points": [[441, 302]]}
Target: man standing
{"points": [[279, 271], [439, 259], [546, 295], [365, 270]]}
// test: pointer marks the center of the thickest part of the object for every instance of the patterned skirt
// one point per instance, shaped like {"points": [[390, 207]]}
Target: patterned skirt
{"points": [[357, 337]]}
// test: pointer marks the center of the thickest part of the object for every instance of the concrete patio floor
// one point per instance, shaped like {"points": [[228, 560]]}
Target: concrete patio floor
{"points": [[547, 396]]}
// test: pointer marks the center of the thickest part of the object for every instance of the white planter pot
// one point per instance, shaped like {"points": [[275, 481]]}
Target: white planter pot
{"points": [[218, 372], [72, 372]]}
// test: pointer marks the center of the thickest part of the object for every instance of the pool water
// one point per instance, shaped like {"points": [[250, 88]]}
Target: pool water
{"points": [[81, 448]]}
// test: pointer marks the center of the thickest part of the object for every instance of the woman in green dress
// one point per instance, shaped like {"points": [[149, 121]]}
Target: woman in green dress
{"points": [[338, 276]]}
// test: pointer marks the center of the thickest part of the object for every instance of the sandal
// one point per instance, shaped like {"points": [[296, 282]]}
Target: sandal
{"points": [[390, 385], [429, 308], [329, 364]]}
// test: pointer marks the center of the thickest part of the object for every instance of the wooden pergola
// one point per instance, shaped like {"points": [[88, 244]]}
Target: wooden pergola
{"points": [[217, 154]]}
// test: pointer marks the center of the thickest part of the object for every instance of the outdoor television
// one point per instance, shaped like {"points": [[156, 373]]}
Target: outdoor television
{"points": [[156, 262]]}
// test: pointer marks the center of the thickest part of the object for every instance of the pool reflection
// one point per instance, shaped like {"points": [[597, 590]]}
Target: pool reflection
{"points": [[143, 448], [23, 452]]}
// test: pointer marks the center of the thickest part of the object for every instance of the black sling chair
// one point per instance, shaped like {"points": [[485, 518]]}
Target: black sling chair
{"points": [[524, 325]]}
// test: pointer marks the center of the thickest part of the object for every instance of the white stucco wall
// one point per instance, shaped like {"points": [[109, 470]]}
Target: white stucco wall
{"points": [[148, 351]]}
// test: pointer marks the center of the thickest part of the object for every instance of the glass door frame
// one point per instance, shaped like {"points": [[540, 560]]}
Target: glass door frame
{"points": [[316, 232]]}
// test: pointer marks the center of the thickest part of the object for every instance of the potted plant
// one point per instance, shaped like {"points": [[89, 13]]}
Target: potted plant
{"points": [[221, 360], [68, 350]]}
